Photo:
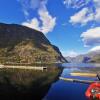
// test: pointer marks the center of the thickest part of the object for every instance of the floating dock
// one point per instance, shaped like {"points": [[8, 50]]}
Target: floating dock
{"points": [[77, 80]]}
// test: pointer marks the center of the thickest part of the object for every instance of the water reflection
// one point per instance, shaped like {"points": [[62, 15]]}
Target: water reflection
{"points": [[62, 90], [78, 65]]}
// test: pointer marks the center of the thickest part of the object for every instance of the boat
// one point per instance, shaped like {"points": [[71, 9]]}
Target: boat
{"points": [[93, 91]]}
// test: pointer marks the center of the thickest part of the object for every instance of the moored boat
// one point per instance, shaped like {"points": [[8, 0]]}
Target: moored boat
{"points": [[93, 91]]}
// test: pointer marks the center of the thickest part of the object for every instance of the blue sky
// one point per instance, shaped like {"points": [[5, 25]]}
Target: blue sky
{"points": [[72, 25]]}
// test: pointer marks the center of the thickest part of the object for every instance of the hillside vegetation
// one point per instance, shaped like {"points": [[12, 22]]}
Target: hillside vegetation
{"points": [[20, 44]]}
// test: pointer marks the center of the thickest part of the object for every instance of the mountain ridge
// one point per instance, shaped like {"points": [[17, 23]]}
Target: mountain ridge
{"points": [[90, 57], [20, 44]]}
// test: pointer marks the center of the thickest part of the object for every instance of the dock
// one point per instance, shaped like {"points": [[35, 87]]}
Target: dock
{"points": [[24, 67], [77, 80]]}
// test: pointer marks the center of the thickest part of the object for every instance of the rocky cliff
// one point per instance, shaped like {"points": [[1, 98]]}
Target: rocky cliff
{"points": [[20, 44]]}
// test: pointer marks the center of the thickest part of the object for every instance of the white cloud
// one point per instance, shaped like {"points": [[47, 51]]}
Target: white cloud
{"points": [[75, 3], [34, 4], [97, 10], [97, 15], [34, 23], [45, 19], [91, 36], [90, 11], [29, 5], [87, 14], [82, 17], [96, 48], [48, 22], [97, 3], [70, 53]]}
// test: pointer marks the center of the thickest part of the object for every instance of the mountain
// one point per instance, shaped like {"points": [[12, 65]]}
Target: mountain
{"points": [[93, 56], [70, 59], [78, 59], [20, 44], [95, 59]]}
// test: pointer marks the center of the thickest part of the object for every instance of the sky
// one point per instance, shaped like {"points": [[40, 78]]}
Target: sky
{"points": [[72, 25]]}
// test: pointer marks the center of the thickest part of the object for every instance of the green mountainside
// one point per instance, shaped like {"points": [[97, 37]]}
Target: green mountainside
{"points": [[20, 44]]}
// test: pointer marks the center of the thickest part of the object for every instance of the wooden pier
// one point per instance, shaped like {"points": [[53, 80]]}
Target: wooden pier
{"points": [[77, 80], [24, 67]]}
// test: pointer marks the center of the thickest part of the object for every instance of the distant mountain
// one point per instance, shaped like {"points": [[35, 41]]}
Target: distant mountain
{"points": [[70, 59], [77, 59], [20, 44], [93, 56]]}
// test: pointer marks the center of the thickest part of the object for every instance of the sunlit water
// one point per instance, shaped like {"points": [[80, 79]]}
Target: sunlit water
{"points": [[62, 90]]}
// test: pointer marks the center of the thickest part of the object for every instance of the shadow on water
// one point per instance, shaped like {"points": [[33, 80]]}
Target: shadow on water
{"points": [[18, 84]]}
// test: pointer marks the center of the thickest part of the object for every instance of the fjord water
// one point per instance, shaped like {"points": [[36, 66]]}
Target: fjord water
{"points": [[62, 90]]}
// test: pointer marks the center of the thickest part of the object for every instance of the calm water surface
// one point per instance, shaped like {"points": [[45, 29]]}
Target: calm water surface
{"points": [[62, 90]]}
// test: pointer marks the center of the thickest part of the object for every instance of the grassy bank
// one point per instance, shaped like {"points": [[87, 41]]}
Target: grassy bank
{"points": [[18, 84]]}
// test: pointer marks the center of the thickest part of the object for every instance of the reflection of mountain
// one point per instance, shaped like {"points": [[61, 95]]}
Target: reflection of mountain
{"points": [[20, 44], [93, 56]]}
